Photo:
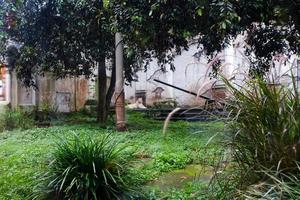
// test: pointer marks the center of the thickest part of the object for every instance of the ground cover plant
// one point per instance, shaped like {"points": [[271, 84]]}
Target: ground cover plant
{"points": [[15, 119], [25, 156]]}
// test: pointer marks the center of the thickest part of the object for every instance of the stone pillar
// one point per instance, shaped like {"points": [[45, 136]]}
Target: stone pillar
{"points": [[14, 101], [119, 89], [8, 86], [229, 61]]}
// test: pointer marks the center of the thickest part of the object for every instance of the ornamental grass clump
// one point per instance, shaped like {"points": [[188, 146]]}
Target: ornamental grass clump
{"points": [[86, 168], [265, 139]]}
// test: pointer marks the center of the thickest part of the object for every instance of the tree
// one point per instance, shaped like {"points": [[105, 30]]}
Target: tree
{"points": [[66, 38], [3, 36], [162, 27]]}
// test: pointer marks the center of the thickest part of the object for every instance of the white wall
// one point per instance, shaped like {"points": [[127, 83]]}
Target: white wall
{"points": [[192, 74], [189, 75]]}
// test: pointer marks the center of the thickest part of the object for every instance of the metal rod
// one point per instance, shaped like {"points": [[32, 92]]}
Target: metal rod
{"points": [[183, 90]]}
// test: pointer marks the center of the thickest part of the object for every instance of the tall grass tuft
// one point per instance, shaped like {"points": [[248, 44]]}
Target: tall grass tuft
{"points": [[86, 168], [265, 138], [266, 124], [275, 186]]}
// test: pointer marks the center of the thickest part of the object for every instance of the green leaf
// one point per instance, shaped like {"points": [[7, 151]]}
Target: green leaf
{"points": [[200, 11], [223, 25], [150, 13]]}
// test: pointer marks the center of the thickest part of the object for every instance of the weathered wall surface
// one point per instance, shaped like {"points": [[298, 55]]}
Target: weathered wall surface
{"points": [[63, 95], [46, 91], [82, 89]]}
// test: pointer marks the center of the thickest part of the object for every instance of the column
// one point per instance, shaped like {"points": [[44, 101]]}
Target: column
{"points": [[8, 86]]}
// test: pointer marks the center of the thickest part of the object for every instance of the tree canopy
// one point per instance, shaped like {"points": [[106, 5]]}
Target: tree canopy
{"points": [[67, 36], [63, 37], [160, 27]]}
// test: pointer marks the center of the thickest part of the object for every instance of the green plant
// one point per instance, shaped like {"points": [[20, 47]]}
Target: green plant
{"points": [[265, 123], [46, 113], [15, 118], [168, 161], [169, 103], [265, 135], [275, 187], [86, 168], [25, 155], [193, 190]]}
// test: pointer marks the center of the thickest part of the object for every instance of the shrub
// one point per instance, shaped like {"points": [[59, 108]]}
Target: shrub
{"points": [[46, 113], [15, 118], [85, 168], [265, 139]]}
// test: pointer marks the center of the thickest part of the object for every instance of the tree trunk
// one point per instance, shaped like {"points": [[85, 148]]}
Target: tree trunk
{"points": [[102, 113], [119, 89], [111, 88]]}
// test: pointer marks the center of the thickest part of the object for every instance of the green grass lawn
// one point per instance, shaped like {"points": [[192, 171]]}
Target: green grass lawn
{"points": [[24, 155]]}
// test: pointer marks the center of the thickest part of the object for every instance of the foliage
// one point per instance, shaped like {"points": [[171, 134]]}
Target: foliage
{"points": [[195, 190], [16, 118], [226, 181], [66, 37], [63, 37], [286, 187], [45, 113], [266, 126], [85, 168], [229, 184], [163, 29], [168, 161], [264, 140], [25, 155], [2, 33]]}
